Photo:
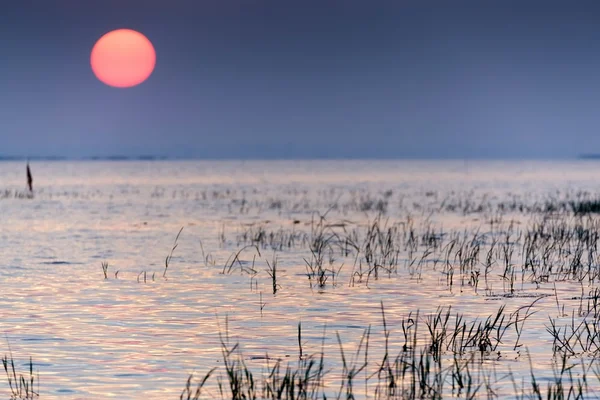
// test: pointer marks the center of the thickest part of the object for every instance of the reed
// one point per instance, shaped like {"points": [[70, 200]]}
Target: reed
{"points": [[272, 271], [105, 269], [435, 355], [170, 256], [448, 365], [21, 385]]}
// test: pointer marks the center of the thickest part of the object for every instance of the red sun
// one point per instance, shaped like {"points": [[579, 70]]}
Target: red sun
{"points": [[123, 58]]}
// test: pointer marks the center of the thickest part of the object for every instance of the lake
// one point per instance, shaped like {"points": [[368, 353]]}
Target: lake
{"points": [[344, 238]]}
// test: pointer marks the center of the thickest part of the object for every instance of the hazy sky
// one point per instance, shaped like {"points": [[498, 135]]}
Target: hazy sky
{"points": [[306, 78]]}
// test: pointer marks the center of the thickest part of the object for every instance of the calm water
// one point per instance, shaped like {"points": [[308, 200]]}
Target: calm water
{"points": [[92, 338]]}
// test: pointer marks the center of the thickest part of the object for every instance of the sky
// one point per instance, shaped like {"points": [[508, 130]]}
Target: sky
{"points": [[263, 79]]}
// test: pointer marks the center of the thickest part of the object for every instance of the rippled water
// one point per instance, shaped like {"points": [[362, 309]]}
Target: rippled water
{"points": [[139, 335]]}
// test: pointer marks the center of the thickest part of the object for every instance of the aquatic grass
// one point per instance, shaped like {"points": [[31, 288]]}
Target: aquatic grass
{"points": [[303, 382], [189, 393], [315, 271], [207, 257], [576, 338], [415, 372], [450, 355], [16, 194], [144, 273], [105, 269], [462, 380], [300, 353], [170, 256], [564, 384], [351, 370], [235, 258], [593, 303], [277, 239], [587, 206], [483, 336], [272, 271], [556, 247]]}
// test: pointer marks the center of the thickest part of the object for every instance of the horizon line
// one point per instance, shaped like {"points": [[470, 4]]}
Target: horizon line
{"points": [[119, 157]]}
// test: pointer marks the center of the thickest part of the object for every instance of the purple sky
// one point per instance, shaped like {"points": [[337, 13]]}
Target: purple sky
{"points": [[306, 79]]}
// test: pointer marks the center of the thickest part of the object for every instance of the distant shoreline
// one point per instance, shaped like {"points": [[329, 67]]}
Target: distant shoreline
{"points": [[93, 158], [9, 158]]}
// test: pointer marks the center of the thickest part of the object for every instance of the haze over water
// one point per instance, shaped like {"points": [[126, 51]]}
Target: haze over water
{"points": [[139, 335]]}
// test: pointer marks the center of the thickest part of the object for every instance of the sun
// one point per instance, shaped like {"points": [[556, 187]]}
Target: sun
{"points": [[123, 58]]}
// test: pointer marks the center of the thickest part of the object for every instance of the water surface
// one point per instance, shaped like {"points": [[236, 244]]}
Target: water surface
{"points": [[139, 334]]}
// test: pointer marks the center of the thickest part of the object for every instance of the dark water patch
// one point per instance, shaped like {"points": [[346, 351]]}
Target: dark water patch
{"points": [[265, 358], [342, 326], [33, 339], [128, 375], [65, 391], [38, 364], [60, 263]]}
